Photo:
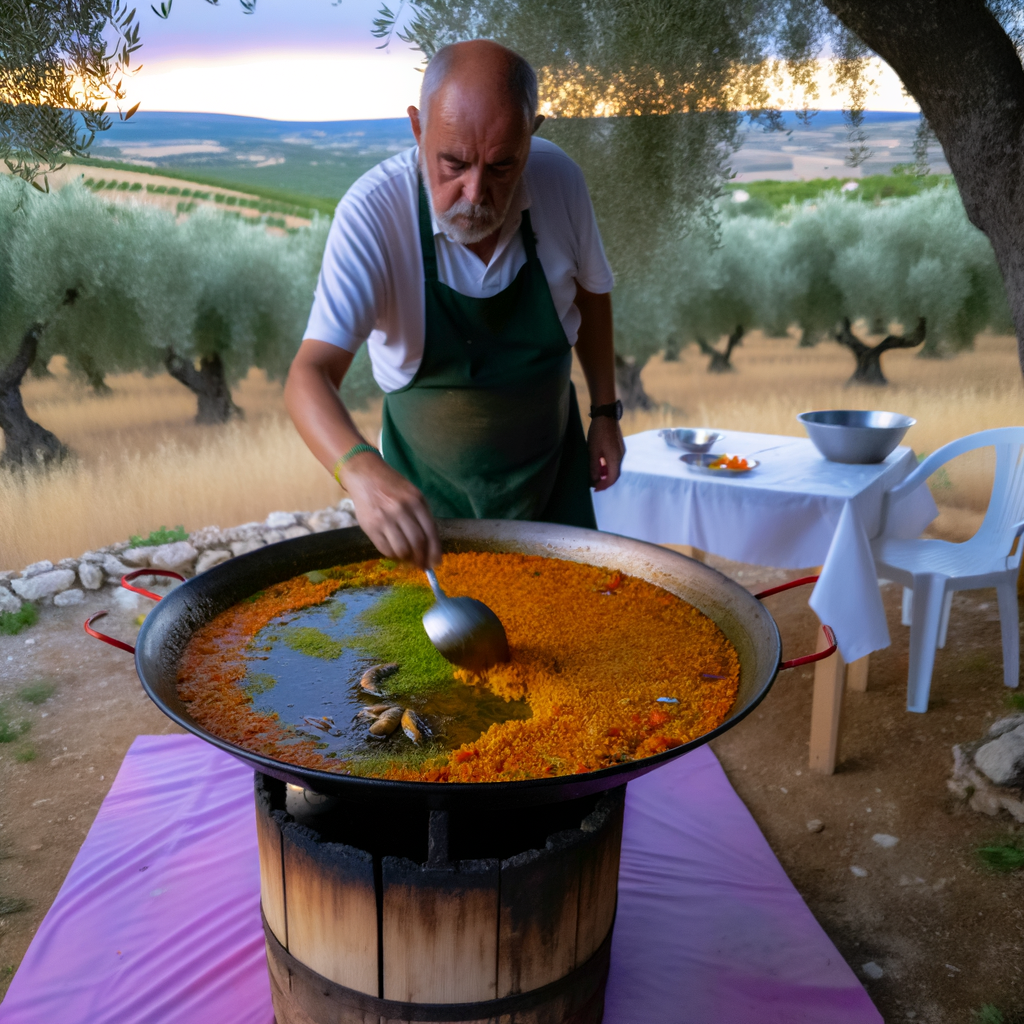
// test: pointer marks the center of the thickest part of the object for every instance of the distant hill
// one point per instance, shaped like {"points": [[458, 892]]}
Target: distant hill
{"points": [[316, 158], [323, 158]]}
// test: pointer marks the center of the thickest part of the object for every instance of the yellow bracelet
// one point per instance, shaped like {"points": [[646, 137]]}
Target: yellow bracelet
{"points": [[356, 449]]}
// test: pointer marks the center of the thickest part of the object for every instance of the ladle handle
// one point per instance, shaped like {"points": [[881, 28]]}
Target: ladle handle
{"points": [[136, 590], [439, 594], [827, 630]]}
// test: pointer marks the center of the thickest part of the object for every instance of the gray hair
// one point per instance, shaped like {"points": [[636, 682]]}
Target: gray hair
{"points": [[522, 81]]}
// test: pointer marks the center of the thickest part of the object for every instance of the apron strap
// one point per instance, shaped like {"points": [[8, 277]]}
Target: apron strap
{"points": [[427, 236], [529, 238]]}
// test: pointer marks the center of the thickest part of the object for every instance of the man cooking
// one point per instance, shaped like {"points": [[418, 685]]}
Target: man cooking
{"points": [[473, 265]]}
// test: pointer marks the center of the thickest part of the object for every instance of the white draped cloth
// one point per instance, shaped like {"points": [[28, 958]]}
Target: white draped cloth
{"points": [[795, 510]]}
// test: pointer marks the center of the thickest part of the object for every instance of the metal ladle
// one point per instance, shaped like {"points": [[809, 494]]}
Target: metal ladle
{"points": [[464, 630]]}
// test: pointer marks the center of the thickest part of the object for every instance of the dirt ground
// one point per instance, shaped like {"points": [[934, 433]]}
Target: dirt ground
{"points": [[947, 933]]}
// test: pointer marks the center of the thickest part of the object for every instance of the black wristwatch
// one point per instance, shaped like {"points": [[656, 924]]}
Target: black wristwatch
{"points": [[613, 409]]}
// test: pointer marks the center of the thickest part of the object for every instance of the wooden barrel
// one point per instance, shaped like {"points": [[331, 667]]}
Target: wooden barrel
{"points": [[421, 916]]}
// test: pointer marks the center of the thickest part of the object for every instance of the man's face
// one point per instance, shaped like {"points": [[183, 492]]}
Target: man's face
{"points": [[472, 153]]}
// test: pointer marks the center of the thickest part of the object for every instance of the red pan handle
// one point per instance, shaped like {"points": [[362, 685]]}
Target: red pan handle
{"points": [[827, 630], [135, 590]]}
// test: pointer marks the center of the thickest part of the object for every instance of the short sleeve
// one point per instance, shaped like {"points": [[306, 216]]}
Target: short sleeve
{"points": [[593, 271], [351, 289]]}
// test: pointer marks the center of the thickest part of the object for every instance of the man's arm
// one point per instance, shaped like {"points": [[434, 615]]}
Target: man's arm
{"points": [[596, 353], [392, 512]]}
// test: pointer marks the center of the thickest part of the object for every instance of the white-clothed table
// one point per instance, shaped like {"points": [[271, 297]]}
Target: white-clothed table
{"points": [[796, 509]]}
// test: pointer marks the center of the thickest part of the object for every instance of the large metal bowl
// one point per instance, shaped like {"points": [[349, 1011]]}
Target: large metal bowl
{"points": [[855, 436], [741, 617]]}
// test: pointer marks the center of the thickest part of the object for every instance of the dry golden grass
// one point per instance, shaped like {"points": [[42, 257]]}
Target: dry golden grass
{"points": [[142, 462]]}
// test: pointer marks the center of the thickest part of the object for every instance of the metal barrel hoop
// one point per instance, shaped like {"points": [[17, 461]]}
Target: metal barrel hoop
{"points": [[827, 630], [120, 644]]}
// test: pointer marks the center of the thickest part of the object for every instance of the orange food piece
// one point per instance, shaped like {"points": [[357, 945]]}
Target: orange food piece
{"points": [[734, 462]]}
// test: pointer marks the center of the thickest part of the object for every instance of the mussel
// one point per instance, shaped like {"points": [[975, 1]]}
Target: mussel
{"points": [[414, 727], [386, 724], [372, 677]]}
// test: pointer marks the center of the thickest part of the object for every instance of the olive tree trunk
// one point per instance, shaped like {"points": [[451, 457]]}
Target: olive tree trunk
{"points": [[956, 60], [629, 385], [26, 443], [869, 357], [208, 384]]}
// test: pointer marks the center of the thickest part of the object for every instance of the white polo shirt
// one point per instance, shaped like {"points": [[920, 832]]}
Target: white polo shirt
{"points": [[371, 280]]}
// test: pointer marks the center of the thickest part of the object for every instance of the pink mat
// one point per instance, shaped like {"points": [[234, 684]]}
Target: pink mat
{"points": [[158, 920]]}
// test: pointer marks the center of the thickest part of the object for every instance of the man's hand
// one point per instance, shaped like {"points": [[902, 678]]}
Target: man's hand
{"points": [[392, 512], [604, 440]]}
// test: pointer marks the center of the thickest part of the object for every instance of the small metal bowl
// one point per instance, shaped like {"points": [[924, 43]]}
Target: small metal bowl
{"points": [[855, 436], [689, 439]]}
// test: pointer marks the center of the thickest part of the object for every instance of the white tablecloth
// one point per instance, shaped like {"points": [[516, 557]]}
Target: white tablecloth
{"points": [[793, 511]]}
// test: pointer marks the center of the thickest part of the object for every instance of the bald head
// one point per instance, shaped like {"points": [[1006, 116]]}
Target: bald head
{"points": [[478, 111], [486, 65]]}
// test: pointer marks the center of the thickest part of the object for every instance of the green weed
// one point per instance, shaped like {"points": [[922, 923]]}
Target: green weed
{"points": [[1001, 856], [25, 755], [258, 683], [161, 536], [1016, 700], [37, 693], [11, 730], [12, 623]]}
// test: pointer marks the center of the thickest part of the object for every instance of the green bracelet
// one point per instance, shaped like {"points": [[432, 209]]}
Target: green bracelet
{"points": [[356, 449]]}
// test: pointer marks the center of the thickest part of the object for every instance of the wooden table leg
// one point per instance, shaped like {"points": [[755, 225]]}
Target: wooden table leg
{"points": [[691, 552], [826, 710], [857, 675]]}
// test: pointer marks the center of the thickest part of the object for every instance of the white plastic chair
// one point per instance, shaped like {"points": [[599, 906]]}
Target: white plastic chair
{"points": [[931, 570]]}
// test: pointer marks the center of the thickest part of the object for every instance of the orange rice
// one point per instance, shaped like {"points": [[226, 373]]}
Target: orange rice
{"points": [[592, 651]]}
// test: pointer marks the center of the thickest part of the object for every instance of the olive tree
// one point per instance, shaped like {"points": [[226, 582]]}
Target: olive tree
{"points": [[837, 260]]}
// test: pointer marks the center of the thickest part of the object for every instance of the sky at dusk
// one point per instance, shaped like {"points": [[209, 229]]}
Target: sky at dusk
{"points": [[306, 60]]}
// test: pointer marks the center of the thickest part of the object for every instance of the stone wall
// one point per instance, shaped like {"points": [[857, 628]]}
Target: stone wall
{"points": [[65, 582]]}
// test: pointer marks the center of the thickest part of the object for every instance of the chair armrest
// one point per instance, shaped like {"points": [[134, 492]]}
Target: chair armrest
{"points": [[934, 461]]}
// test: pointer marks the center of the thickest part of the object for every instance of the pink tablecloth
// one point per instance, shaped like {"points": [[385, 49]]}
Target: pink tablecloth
{"points": [[158, 919]]}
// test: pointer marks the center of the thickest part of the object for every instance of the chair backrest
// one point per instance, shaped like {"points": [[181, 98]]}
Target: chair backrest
{"points": [[1006, 505]]}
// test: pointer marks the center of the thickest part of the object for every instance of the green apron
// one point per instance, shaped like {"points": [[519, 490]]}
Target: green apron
{"points": [[489, 428]]}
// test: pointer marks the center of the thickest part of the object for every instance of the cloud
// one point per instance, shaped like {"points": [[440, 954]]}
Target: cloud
{"points": [[292, 86]]}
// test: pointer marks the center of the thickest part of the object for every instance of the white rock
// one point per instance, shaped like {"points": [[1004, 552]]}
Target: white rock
{"points": [[279, 520], [1002, 759], [129, 602], [67, 563], [814, 825], [272, 536], [36, 569], [346, 519], [1005, 725], [114, 567], [347, 505], [138, 556], [91, 575], [178, 556], [294, 531], [886, 842], [247, 531], [44, 585], [207, 537], [872, 970], [858, 872], [7, 575], [208, 559], [96, 557], [66, 597], [8, 602], [322, 520], [243, 547]]}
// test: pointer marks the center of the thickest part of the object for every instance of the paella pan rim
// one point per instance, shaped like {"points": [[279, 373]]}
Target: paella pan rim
{"points": [[168, 627]]}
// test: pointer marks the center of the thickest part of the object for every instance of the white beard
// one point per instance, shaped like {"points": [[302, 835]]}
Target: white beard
{"points": [[468, 223]]}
